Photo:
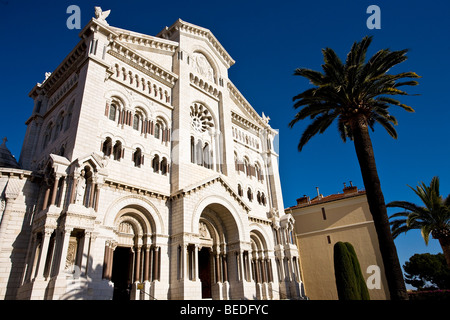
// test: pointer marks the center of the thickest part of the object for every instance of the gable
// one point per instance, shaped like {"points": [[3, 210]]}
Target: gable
{"points": [[194, 188], [169, 33]]}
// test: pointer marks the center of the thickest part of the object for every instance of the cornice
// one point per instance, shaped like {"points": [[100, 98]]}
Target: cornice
{"points": [[204, 183], [201, 32], [63, 71], [135, 189], [146, 41], [239, 98], [141, 63]]}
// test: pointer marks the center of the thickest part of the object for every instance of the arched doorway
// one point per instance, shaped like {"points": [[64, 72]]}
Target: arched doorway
{"points": [[218, 232], [122, 273], [205, 274], [136, 259]]}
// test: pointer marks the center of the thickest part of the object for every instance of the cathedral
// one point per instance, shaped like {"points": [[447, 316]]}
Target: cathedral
{"points": [[144, 174]]}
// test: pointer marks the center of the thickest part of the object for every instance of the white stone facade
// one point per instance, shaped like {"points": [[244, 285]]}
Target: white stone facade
{"points": [[145, 174]]}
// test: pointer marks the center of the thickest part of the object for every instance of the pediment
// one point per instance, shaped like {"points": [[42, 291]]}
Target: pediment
{"points": [[200, 33], [217, 179]]}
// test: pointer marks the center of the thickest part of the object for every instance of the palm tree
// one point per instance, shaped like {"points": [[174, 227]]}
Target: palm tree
{"points": [[432, 218], [357, 95]]}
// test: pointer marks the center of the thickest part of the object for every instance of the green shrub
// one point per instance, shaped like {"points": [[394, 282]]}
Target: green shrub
{"points": [[350, 282]]}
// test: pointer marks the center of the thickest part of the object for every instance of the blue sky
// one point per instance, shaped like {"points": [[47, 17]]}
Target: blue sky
{"points": [[268, 40]]}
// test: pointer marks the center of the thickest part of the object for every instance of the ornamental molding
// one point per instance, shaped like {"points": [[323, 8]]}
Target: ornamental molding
{"points": [[145, 41], [141, 63], [205, 183], [200, 32], [237, 96], [117, 185], [205, 87], [65, 69]]}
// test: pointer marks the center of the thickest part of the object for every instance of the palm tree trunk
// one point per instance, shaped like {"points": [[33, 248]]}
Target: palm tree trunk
{"points": [[445, 245], [377, 206]]}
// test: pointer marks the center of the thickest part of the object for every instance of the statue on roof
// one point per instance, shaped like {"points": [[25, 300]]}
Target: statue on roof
{"points": [[101, 15], [265, 118]]}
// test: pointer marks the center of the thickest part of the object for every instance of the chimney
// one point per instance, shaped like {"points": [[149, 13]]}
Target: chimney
{"points": [[303, 200], [350, 189], [319, 196]]}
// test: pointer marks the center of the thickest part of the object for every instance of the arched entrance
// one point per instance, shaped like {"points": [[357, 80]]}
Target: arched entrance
{"points": [[122, 273], [135, 258], [205, 274], [218, 232]]}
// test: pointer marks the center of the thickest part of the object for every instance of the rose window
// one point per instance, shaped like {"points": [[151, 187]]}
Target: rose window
{"points": [[201, 119]]}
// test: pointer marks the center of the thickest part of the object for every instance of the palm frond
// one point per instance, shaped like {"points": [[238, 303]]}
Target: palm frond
{"points": [[319, 125]]}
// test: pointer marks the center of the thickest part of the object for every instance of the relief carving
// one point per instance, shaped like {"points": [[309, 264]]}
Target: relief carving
{"points": [[202, 66]]}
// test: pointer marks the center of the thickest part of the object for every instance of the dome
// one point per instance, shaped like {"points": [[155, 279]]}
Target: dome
{"points": [[7, 160]]}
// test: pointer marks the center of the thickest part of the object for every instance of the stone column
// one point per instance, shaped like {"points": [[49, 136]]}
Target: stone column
{"points": [[218, 275], [65, 237], [39, 274], [30, 258], [74, 189], [156, 264], [196, 275], [55, 190], [224, 268], [146, 263], [85, 254], [97, 197], [137, 270], [46, 196]]}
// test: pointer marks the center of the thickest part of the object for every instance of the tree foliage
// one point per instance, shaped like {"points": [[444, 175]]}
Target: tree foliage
{"points": [[427, 271], [350, 282]]}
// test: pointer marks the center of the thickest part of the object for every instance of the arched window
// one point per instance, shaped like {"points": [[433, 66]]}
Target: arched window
{"points": [[69, 115], [192, 149], [155, 163], [112, 112], [138, 157], [259, 173], [59, 123], [136, 121], [258, 197], [199, 153], [249, 194], [246, 167], [263, 199], [206, 157], [117, 151], [47, 135], [164, 169], [89, 192], [62, 150], [157, 130], [240, 191], [107, 147]]}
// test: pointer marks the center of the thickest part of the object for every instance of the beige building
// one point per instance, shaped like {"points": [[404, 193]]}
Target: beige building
{"points": [[320, 223], [144, 173]]}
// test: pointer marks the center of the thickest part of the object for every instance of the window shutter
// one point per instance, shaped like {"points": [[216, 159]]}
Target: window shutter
{"points": [[123, 152], [142, 159], [107, 109]]}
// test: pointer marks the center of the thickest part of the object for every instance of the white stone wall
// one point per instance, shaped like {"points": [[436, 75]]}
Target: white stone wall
{"points": [[187, 67]]}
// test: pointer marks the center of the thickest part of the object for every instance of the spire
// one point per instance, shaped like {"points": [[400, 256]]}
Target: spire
{"points": [[7, 160]]}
